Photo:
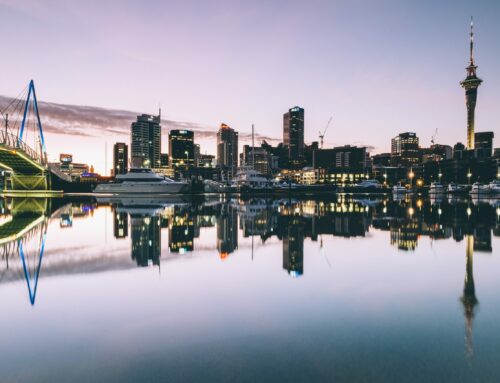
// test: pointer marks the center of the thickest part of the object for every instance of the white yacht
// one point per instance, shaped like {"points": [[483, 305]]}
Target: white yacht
{"points": [[142, 181], [454, 188], [479, 189], [247, 177], [494, 187], [398, 189], [436, 188]]}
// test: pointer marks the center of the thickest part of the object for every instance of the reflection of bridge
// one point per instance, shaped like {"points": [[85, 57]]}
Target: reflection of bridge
{"points": [[22, 237], [24, 167]]}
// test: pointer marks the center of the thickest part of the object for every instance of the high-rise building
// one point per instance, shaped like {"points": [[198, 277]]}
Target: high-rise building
{"points": [[483, 144], [405, 149], [196, 155], [293, 134], [470, 84], [146, 141], [227, 149], [181, 148], [120, 158]]}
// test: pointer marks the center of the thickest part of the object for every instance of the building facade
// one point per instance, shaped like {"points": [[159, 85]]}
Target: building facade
{"points": [[120, 158], [483, 144], [181, 148], [293, 135], [146, 141], [227, 149], [405, 150]]}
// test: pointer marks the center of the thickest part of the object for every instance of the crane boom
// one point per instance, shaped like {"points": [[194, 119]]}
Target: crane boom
{"points": [[322, 135]]}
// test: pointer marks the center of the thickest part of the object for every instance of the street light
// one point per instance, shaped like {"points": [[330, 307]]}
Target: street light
{"points": [[469, 175], [385, 178], [411, 175]]}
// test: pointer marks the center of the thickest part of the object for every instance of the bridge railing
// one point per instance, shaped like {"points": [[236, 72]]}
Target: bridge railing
{"points": [[15, 142]]}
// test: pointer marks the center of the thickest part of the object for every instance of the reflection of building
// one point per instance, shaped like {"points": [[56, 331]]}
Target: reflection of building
{"points": [[181, 148], [293, 134], [146, 239], [146, 141], [181, 232], [469, 299], [227, 231], [293, 248], [120, 224], [227, 149], [470, 84], [120, 158], [405, 234]]}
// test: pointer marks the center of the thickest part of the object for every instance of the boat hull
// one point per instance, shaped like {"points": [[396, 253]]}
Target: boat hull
{"points": [[146, 188]]}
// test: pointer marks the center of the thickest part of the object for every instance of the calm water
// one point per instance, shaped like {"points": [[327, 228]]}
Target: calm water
{"points": [[250, 291]]}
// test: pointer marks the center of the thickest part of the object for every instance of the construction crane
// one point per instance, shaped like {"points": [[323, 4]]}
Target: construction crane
{"points": [[322, 135], [433, 137]]}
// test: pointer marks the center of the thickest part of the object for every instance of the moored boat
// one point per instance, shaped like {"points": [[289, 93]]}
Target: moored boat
{"points": [[143, 181]]}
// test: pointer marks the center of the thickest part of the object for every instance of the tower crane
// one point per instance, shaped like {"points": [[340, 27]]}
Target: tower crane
{"points": [[433, 137], [322, 135]]}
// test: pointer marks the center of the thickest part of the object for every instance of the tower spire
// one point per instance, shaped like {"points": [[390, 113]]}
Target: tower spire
{"points": [[471, 41]]}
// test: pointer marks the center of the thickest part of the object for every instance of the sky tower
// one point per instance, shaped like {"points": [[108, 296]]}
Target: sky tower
{"points": [[470, 84]]}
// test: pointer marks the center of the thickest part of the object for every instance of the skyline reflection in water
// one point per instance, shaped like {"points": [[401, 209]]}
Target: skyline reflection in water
{"points": [[44, 239]]}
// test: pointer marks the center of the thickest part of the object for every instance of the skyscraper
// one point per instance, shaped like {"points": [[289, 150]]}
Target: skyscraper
{"points": [[181, 148], [120, 158], [146, 141], [293, 134], [227, 149], [470, 84], [405, 149]]}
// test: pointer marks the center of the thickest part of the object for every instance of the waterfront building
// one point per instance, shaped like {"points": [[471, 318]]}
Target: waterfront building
{"points": [[163, 160], [181, 148], [120, 158], [206, 161], [257, 158], [70, 168], [227, 149], [470, 84], [483, 144], [146, 141], [196, 154], [293, 135], [405, 150]]}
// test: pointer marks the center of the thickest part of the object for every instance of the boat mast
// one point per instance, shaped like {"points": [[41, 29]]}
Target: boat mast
{"points": [[253, 148]]}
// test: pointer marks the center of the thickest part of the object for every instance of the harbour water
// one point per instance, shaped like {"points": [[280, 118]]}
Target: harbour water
{"points": [[256, 290]]}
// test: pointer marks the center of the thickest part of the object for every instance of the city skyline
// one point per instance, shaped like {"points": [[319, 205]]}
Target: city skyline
{"points": [[409, 49]]}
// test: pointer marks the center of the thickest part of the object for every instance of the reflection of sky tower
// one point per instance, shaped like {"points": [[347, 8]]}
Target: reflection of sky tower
{"points": [[469, 299], [470, 84]]}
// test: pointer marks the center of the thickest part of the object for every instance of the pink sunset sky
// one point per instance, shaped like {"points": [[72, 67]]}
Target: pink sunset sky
{"points": [[378, 67]]}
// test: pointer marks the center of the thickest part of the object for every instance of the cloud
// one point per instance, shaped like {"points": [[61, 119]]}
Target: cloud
{"points": [[91, 121]]}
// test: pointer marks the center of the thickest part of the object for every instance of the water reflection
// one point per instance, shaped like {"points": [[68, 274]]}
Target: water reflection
{"points": [[25, 230]]}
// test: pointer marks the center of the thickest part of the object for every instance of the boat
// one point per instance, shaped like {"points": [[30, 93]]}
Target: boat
{"points": [[479, 190], [369, 184], [436, 188], [454, 188], [398, 189], [143, 181], [494, 188], [248, 178]]}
